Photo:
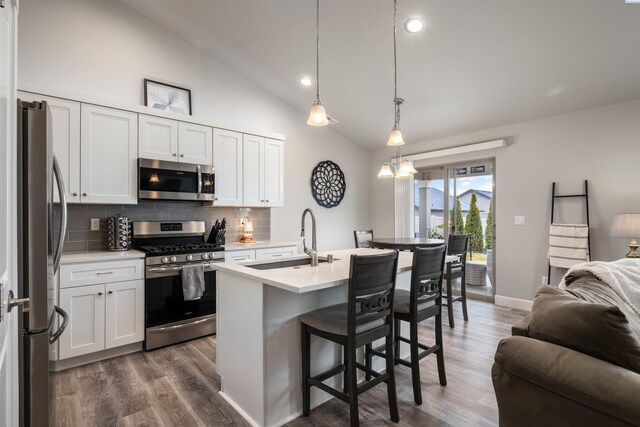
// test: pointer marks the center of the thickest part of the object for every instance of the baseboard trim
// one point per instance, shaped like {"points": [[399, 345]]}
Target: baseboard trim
{"points": [[61, 365], [520, 304], [238, 409]]}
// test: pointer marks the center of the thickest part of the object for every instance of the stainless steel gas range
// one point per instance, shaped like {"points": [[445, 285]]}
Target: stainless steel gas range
{"points": [[169, 245]]}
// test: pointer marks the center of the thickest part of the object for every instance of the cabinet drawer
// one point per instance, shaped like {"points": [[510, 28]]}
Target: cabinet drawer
{"points": [[239, 255], [276, 252], [91, 273]]}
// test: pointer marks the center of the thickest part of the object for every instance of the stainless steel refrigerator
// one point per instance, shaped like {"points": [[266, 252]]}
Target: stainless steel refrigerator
{"points": [[41, 322]]}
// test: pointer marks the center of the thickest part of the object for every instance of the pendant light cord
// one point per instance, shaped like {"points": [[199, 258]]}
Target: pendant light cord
{"points": [[396, 100], [317, 50]]}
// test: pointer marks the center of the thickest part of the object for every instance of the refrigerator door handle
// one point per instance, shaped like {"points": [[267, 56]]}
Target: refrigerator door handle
{"points": [[57, 173], [65, 321]]}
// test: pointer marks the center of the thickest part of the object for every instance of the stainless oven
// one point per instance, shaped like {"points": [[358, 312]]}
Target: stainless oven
{"points": [[162, 180], [168, 317]]}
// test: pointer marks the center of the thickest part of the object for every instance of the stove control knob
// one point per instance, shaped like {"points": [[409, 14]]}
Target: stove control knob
{"points": [[211, 255], [173, 259], [164, 260], [204, 256], [189, 257]]}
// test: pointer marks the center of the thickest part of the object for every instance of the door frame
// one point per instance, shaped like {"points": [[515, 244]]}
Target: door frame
{"points": [[9, 334]]}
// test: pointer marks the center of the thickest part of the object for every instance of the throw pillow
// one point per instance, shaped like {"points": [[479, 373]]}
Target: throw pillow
{"points": [[598, 330]]}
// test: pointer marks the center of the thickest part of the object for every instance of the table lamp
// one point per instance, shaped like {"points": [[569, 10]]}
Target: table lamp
{"points": [[247, 234], [627, 225]]}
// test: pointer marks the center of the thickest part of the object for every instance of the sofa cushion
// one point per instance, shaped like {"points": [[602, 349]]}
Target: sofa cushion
{"points": [[599, 330]]}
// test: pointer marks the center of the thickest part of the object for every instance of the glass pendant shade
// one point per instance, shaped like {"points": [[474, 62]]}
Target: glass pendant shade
{"points": [[318, 116], [395, 138], [385, 171], [406, 170]]}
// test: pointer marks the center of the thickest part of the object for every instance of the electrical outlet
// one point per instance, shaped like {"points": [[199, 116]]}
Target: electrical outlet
{"points": [[544, 280], [95, 224], [519, 220]]}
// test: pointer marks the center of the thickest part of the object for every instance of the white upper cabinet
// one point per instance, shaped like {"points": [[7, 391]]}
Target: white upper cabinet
{"points": [[227, 161], [157, 138], [109, 152], [65, 128], [263, 171], [195, 143], [253, 170], [273, 172], [166, 139]]}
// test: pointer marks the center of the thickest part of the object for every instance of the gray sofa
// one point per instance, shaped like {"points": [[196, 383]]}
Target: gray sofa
{"points": [[574, 361]]}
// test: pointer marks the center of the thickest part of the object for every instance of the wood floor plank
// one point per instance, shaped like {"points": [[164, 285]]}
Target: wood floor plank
{"points": [[178, 385]]}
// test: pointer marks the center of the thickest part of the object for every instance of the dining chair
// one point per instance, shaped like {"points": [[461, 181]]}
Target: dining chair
{"points": [[367, 316], [457, 246], [362, 238], [423, 301]]}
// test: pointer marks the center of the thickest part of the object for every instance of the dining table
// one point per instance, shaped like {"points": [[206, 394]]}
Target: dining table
{"points": [[404, 243]]}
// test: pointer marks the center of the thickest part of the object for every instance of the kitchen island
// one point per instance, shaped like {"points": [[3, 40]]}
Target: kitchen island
{"points": [[258, 332]]}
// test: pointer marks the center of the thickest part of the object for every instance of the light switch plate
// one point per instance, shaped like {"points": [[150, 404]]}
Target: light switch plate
{"points": [[95, 224], [519, 220]]}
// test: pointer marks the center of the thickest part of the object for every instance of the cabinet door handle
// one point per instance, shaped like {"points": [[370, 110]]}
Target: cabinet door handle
{"points": [[84, 194], [75, 194], [275, 255], [181, 155], [175, 154], [104, 272], [267, 200], [99, 294], [110, 292]]}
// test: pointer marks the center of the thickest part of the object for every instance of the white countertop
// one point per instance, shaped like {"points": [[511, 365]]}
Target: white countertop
{"points": [[97, 256], [237, 246], [307, 278]]}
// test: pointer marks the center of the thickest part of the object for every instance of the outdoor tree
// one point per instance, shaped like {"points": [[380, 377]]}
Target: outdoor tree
{"points": [[473, 226], [488, 231], [459, 218]]}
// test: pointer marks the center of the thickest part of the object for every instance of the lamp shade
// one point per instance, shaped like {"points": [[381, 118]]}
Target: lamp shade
{"points": [[395, 138], [248, 227], [318, 116], [626, 225], [385, 171], [406, 170]]}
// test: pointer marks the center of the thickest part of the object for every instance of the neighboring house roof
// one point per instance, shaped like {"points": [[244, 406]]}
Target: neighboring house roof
{"points": [[484, 193], [436, 198]]}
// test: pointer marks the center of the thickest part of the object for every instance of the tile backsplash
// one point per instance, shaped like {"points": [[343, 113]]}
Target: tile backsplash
{"points": [[81, 238]]}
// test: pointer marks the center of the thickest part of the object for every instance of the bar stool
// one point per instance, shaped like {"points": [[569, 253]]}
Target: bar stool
{"points": [[366, 317], [423, 301], [457, 270]]}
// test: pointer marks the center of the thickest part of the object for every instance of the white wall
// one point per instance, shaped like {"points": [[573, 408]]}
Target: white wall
{"points": [[601, 145], [104, 49]]}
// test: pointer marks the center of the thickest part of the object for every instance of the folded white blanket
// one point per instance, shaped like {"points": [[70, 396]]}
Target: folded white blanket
{"points": [[568, 244], [622, 276]]}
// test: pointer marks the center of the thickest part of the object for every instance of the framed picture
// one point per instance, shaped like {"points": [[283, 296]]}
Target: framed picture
{"points": [[167, 97]]}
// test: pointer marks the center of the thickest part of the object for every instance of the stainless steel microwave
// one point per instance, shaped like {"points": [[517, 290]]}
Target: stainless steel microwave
{"points": [[162, 180]]}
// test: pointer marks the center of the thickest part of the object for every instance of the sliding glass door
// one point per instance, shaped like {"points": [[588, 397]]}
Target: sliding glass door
{"points": [[459, 199]]}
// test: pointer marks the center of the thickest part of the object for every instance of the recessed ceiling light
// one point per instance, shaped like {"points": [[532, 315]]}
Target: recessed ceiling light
{"points": [[413, 25], [305, 81]]}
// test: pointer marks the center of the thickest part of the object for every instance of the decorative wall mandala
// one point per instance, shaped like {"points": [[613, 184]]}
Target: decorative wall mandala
{"points": [[328, 184]]}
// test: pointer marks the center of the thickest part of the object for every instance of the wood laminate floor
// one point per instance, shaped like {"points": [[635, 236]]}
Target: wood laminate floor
{"points": [[178, 386]]}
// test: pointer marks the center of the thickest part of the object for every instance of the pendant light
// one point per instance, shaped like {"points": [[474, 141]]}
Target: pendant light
{"points": [[317, 115], [404, 168]]}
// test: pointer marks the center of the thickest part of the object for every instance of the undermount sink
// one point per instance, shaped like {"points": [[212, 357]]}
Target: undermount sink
{"points": [[286, 263]]}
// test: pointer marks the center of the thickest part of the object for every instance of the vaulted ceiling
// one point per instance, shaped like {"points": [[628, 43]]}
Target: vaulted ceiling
{"points": [[477, 64]]}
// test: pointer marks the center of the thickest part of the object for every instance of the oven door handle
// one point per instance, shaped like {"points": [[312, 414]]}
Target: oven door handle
{"points": [[199, 181], [166, 269]]}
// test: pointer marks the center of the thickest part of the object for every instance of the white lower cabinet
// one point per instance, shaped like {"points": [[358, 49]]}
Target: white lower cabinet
{"points": [[260, 254], [124, 313], [101, 315], [239, 255], [85, 331]]}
